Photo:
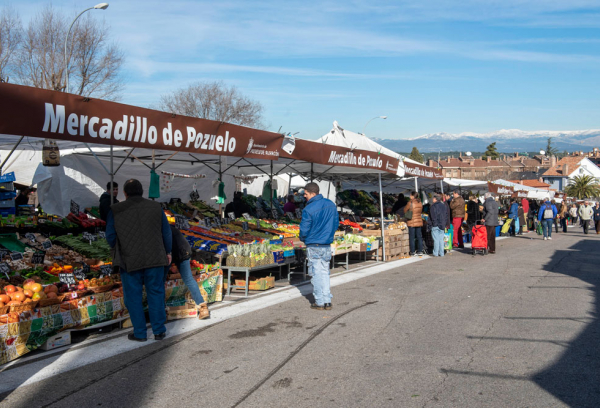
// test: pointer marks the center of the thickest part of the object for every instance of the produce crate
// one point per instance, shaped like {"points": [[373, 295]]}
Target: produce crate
{"points": [[387, 233], [359, 247], [181, 312], [58, 340], [254, 283], [289, 253]]}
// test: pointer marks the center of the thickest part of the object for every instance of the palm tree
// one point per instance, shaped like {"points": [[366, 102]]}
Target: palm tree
{"points": [[583, 187]]}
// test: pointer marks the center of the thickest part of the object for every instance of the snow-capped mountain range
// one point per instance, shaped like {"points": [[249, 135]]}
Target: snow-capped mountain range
{"points": [[507, 140]]}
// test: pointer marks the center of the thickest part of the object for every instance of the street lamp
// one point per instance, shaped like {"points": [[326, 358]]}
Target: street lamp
{"points": [[100, 6], [376, 117]]}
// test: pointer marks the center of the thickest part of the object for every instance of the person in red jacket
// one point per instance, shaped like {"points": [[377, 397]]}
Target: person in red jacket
{"points": [[525, 203]]}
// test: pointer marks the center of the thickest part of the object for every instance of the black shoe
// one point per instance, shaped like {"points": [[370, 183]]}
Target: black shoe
{"points": [[316, 307], [419, 253], [131, 336], [160, 336], [411, 254], [327, 306]]}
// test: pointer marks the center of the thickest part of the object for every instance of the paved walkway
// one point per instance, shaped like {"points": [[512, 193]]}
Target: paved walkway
{"points": [[518, 328]]}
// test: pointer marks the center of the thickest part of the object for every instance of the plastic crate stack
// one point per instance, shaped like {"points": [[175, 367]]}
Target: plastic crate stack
{"points": [[7, 194]]}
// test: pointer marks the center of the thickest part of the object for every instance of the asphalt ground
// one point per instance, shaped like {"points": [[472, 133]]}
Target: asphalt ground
{"points": [[515, 329]]}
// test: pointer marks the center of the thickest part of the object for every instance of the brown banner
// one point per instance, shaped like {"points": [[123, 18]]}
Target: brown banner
{"points": [[520, 194], [500, 189], [320, 153], [420, 170], [57, 115]]}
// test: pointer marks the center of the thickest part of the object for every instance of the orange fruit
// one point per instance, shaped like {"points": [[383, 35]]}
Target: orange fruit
{"points": [[19, 296], [10, 289], [28, 293], [19, 289], [4, 299], [27, 283], [36, 287], [13, 303]]}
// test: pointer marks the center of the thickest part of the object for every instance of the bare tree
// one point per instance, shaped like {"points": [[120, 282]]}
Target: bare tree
{"points": [[93, 63], [216, 101], [11, 33]]}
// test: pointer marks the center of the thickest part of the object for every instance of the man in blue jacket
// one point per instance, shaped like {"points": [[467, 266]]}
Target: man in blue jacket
{"points": [[438, 218], [319, 222], [546, 215], [513, 214]]}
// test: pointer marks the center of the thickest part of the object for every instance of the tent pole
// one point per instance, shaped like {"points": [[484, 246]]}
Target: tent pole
{"points": [[311, 172], [329, 191], [416, 185], [220, 181], [442, 185], [290, 185], [382, 223], [112, 177], [271, 194]]}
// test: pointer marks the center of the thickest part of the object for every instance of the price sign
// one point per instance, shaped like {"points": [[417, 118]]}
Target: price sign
{"points": [[47, 245], [298, 213], [245, 226], [257, 223], [79, 274], [102, 234], [207, 223], [275, 226], [16, 256], [224, 221], [246, 216], [67, 278], [181, 222], [74, 207], [5, 269], [4, 252], [38, 258], [106, 270], [217, 221], [231, 215], [175, 200], [289, 215], [42, 221], [30, 236], [86, 268], [194, 196], [275, 213], [59, 258]]}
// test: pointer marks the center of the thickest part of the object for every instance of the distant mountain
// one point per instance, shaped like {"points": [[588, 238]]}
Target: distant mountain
{"points": [[507, 140]]}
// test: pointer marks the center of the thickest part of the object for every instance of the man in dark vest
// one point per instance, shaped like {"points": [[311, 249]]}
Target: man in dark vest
{"points": [[139, 232]]}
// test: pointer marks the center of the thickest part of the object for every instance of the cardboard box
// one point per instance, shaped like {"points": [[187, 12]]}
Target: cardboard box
{"points": [[257, 284], [374, 245], [58, 340], [181, 312], [359, 247]]}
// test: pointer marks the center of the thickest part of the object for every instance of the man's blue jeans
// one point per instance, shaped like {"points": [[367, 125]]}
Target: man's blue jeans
{"points": [[133, 284], [186, 275], [438, 241], [318, 269], [547, 227]]}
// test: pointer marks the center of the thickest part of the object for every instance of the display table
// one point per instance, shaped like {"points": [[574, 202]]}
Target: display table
{"points": [[35, 327], [247, 270]]}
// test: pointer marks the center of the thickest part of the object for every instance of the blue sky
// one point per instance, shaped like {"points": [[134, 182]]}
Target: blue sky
{"points": [[430, 66]]}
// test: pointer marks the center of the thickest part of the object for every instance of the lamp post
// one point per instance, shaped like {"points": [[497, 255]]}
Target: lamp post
{"points": [[100, 6], [376, 117]]}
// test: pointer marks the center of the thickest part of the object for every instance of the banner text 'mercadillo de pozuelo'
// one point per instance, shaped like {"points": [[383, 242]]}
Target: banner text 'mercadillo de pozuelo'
{"points": [[131, 129]]}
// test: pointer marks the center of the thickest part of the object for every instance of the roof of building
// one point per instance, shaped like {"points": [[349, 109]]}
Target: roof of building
{"points": [[466, 163], [531, 183], [558, 170]]}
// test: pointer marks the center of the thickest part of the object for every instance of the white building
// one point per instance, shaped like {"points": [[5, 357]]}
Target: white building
{"points": [[567, 168]]}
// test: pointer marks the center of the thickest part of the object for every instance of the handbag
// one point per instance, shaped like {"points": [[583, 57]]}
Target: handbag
{"points": [[408, 214]]}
